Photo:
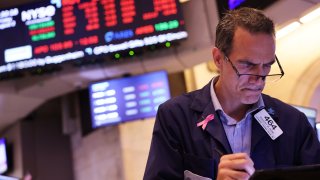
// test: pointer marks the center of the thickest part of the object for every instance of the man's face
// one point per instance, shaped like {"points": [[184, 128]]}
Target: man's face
{"points": [[251, 54]]}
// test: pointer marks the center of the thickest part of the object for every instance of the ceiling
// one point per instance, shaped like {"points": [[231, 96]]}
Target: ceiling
{"points": [[8, 3], [19, 97]]}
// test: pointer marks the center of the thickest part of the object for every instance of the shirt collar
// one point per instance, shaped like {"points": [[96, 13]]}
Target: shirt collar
{"points": [[258, 105]]}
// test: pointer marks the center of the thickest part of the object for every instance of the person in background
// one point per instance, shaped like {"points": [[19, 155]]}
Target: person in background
{"points": [[228, 129]]}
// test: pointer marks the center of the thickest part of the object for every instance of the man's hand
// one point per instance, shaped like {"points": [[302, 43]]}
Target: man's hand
{"points": [[235, 166]]}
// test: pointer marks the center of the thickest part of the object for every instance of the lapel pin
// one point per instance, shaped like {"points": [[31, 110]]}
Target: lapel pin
{"points": [[204, 123], [271, 111]]}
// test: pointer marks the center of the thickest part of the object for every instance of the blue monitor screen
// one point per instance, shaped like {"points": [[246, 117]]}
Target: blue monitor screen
{"points": [[224, 5], [234, 3], [318, 130], [119, 100], [8, 178], [310, 113], [3, 156]]}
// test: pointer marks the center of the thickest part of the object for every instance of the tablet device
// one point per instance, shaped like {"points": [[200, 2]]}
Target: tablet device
{"points": [[288, 173]]}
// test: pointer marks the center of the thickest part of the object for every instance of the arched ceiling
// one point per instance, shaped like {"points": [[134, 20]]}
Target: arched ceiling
{"points": [[19, 97]]}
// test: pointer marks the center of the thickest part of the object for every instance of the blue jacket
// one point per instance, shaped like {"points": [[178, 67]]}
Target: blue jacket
{"points": [[178, 144]]}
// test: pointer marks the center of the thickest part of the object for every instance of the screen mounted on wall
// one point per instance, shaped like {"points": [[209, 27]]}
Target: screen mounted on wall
{"points": [[2, 177], [56, 31], [3, 156], [311, 114], [224, 5], [131, 98]]}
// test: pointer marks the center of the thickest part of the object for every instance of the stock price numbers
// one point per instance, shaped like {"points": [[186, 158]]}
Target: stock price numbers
{"points": [[62, 30]]}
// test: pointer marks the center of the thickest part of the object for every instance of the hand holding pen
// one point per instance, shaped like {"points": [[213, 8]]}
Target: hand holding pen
{"points": [[235, 166]]}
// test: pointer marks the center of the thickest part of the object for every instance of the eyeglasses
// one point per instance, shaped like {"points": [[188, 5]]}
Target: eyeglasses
{"points": [[267, 78]]}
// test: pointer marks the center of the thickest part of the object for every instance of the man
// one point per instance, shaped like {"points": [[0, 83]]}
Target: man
{"points": [[228, 129]]}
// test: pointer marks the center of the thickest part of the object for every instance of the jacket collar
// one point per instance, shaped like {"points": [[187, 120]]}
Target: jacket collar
{"points": [[202, 103]]}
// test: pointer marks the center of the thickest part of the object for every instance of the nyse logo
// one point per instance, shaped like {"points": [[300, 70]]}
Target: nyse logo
{"points": [[270, 122], [38, 13]]}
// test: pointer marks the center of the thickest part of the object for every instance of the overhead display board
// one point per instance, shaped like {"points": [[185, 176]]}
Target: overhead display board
{"points": [[3, 156], [56, 31], [224, 5]]}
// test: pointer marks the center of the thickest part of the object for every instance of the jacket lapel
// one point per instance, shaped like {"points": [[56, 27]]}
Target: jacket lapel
{"points": [[216, 130], [204, 105], [258, 133]]}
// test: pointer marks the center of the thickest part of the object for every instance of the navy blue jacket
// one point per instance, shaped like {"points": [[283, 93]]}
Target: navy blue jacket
{"points": [[178, 144]]}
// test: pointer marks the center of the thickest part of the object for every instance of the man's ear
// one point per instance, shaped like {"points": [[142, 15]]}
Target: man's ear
{"points": [[218, 57]]}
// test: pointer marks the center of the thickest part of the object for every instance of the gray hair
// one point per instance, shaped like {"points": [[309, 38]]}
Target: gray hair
{"points": [[250, 19]]}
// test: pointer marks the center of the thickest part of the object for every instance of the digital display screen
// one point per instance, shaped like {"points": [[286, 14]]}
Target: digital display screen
{"points": [[130, 98], [318, 130], [3, 156], [56, 31], [310, 113], [224, 5], [232, 4], [8, 178]]}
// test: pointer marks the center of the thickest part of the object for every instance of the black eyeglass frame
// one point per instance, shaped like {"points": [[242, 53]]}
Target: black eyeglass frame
{"points": [[256, 75]]}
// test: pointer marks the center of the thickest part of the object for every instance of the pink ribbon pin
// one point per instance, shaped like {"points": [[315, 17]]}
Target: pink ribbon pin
{"points": [[205, 121]]}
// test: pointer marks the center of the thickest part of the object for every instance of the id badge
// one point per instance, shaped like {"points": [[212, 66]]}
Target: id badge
{"points": [[268, 124]]}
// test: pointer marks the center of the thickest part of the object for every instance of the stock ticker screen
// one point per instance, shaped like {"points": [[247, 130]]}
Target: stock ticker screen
{"points": [[224, 5], [56, 31], [125, 99]]}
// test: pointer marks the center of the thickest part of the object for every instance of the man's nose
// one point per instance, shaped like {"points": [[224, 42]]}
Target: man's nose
{"points": [[257, 79]]}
